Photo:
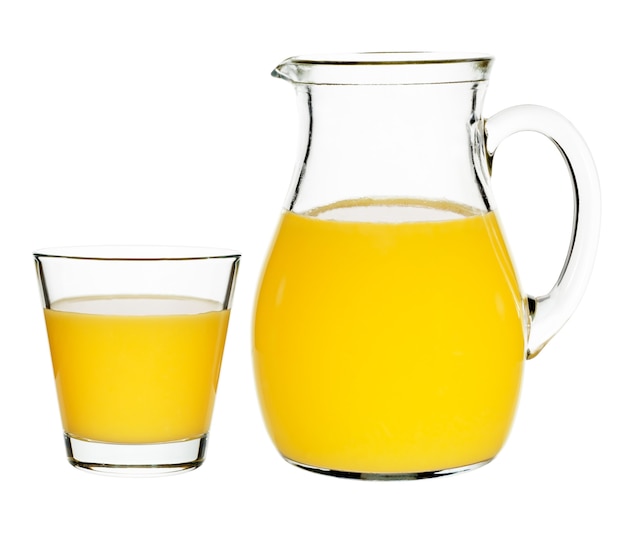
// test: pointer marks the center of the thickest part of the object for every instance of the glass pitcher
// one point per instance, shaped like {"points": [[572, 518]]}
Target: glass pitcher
{"points": [[390, 330]]}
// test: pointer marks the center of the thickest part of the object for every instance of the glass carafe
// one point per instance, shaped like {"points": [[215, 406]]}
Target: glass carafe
{"points": [[390, 330]]}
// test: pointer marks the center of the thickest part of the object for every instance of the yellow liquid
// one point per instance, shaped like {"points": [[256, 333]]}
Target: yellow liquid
{"points": [[392, 346], [133, 369]]}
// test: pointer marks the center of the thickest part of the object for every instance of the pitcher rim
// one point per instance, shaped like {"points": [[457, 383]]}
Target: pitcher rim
{"points": [[384, 68], [389, 58]]}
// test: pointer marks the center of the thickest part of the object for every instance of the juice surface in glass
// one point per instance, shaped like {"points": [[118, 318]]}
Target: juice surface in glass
{"points": [[136, 369], [389, 337]]}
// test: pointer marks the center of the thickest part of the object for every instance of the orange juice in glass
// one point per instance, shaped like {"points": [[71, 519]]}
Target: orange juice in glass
{"points": [[136, 338]]}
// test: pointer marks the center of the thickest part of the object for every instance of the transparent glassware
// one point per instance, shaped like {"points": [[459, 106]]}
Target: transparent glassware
{"points": [[136, 339], [390, 330]]}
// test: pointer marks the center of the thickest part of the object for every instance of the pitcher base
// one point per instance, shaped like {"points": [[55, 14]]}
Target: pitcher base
{"points": [[389, 476]]}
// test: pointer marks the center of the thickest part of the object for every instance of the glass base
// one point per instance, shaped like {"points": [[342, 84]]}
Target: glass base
{"points": [[151, 459], [389, 476]]}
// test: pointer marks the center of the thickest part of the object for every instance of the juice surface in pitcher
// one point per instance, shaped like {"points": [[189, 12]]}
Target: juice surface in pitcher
{"points": [[389, 337]]}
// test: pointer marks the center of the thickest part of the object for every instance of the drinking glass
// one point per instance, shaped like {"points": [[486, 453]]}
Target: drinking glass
{"points": [[136, 337]]}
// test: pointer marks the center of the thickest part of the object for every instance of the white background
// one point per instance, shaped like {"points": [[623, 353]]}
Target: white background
{"points": [[158, 122]]}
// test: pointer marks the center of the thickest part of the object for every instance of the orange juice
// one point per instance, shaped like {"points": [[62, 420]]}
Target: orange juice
{"points": [[389, 337], [136, 369]]}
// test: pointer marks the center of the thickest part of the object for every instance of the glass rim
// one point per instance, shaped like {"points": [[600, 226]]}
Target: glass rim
{"points": [[136, 253]]}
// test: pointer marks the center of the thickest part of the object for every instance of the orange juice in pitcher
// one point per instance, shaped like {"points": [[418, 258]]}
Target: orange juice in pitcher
{"points": [[393, 333]]}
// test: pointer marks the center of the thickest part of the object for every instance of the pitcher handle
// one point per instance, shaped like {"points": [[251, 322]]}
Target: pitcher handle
{"points": [[548, 313]]}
